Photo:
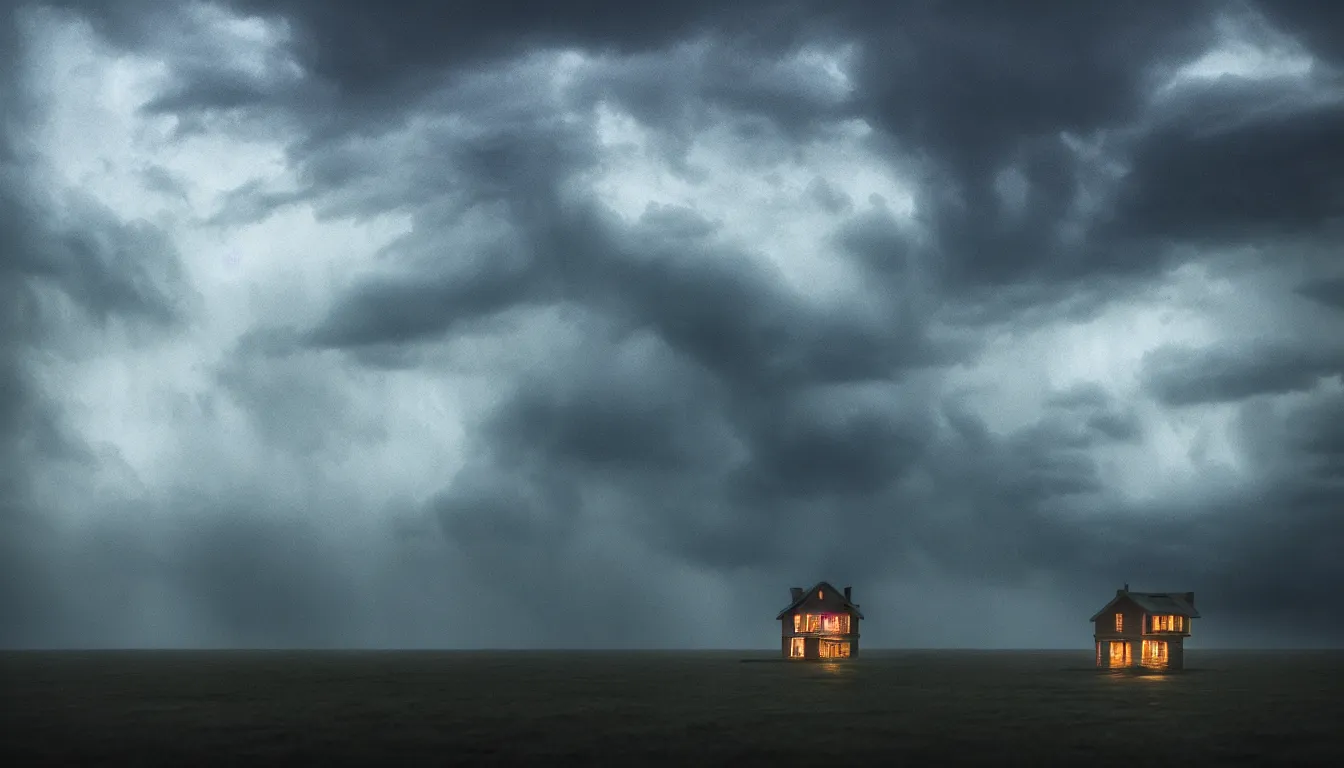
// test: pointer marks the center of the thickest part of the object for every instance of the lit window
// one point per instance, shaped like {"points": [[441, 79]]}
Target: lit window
{"points": [[1155, 653], [1120, 654], [821, 595], [1119, 622], [837, 623], [797, 621]]}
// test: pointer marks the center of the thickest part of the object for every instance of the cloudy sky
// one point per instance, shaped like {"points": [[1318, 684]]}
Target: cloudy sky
{"points": [[421, 324]]}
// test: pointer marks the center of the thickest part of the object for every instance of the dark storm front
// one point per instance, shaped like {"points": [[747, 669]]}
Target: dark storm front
{"points": [[633, 708]]}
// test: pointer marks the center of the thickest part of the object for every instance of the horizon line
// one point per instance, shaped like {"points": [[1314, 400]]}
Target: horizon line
{"points": [[431, 649]]}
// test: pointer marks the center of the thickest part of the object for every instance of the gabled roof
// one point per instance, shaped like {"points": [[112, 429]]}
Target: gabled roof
{"points": [[1153, 602], [807, 592]]}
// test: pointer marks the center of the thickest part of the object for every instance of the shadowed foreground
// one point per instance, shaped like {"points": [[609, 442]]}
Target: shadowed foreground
{"points": [[583, 707]]}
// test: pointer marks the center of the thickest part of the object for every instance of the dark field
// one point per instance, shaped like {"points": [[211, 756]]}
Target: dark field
{"points": [[194, 708]]}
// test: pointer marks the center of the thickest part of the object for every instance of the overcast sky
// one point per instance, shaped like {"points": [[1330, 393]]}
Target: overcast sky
{"points": [[422, 324]]}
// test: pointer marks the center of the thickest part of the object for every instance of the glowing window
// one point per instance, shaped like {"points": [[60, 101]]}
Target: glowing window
{"points": [[821, 595], [1155, 653], [831, 649], [837, 623], [1119, 622], [1168, 623], [1120, 654], [797, 622]]}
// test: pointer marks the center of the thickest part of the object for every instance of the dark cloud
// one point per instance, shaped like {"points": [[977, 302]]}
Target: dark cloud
{"points": [[984, 89], [1183, 376], [364, 50], [1122, 426], [839, 440], [1275, 175], [1329, 291], [1090, 395], [1314, 25], [666, 406], [634, 403], [104, 266]]}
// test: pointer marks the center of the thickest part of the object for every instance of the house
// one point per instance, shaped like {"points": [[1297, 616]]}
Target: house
{"points": [[820, 623], [1144, 629]]}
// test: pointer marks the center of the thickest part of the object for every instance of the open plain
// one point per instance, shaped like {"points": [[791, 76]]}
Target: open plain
{"points": [[702, 708]]}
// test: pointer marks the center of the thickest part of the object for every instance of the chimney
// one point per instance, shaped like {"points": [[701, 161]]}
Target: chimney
{"points": [[847, 589], [1190, 598], [795, 593]]}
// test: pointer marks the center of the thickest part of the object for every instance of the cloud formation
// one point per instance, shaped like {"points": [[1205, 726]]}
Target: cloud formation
{"points": [[328, 324]]}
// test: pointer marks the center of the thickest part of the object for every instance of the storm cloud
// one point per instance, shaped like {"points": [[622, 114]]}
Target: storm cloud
{"points": [[425, 325]]}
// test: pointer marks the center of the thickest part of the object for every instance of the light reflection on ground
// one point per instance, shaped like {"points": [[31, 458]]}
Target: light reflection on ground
{"points": [[836, 670], [1141, 677]]}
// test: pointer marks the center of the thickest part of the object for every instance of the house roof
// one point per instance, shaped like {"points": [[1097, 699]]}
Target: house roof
{"points": [[1154, 602], [807, 592]]}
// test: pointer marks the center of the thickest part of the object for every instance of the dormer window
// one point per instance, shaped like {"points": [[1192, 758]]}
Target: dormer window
{"points": [[1119, 622]]}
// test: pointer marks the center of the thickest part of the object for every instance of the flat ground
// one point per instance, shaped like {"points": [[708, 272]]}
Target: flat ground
{"points": [[630, 708]]}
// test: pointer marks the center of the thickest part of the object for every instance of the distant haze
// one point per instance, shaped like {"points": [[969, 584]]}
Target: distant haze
{"points": [[413, 324]]}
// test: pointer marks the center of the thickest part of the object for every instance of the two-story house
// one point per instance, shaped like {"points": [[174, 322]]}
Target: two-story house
{"points": [[820, 623], [1144, 629]]}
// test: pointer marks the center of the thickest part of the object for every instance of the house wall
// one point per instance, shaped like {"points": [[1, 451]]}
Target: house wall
{"points": [[812, 643], [1176, 653], [1104, 633], [1104, 626]]}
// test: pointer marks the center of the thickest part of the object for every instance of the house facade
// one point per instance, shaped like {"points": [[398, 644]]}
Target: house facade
{"points": [[1144, 629], [820, 623]]}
